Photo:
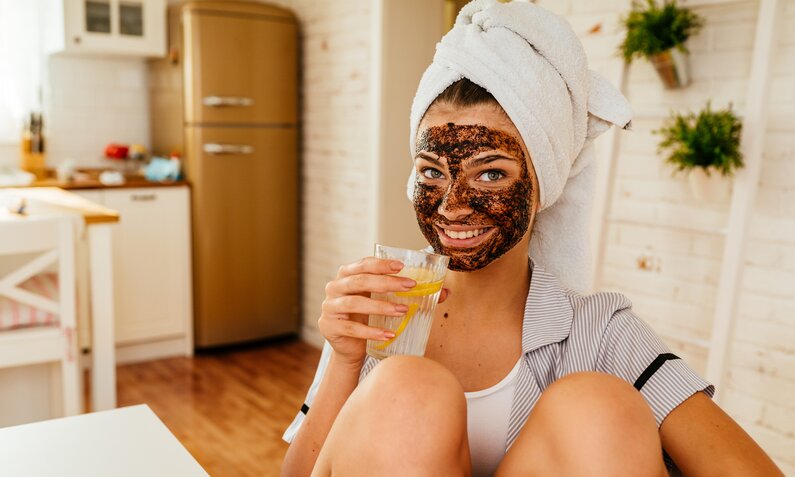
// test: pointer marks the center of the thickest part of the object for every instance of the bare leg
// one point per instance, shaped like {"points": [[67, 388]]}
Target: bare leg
{"points": [[590, 424], [407, 418]]}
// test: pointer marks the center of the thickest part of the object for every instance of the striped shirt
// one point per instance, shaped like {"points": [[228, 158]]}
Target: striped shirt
{"points": [[565, 332]]}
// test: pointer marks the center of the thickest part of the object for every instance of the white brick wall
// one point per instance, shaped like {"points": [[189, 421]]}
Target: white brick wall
{"points": [[653, 213], [335, 38], [88, 103]]}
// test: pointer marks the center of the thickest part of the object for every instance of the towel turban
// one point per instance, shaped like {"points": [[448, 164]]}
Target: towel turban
{"points": [[534, 65]]}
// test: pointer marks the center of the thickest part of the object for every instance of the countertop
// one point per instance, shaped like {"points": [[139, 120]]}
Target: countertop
{"points": [[95, 184], [51, 200], [88, 178]]}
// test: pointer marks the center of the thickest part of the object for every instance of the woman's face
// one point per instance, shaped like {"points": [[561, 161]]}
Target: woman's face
{"points": [[475, 195]]}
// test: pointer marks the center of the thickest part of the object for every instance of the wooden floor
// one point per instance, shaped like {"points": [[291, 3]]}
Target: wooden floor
{"points": [[228, 408]]}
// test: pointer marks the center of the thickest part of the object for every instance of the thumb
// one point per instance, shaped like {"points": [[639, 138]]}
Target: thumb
{"points": [[444, 295]]}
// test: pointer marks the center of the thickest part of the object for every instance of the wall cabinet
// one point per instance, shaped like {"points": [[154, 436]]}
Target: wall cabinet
{"points": [[108, 27], [151, 271]]}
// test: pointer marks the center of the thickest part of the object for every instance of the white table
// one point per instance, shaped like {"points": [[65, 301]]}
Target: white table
{"points": [[129, 441], [48, 201]]}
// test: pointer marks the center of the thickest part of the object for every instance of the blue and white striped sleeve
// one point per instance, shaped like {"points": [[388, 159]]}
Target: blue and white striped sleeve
{"points": [[292, 430], [631, 350]]}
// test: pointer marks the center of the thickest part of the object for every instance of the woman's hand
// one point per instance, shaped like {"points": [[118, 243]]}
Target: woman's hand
{"points": [[348, 303]]}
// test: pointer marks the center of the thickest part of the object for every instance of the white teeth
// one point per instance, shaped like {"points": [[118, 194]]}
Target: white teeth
{"points": [[463, 234]]}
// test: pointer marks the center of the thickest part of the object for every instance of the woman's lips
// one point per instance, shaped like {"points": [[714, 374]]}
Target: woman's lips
{"points": [[468, 242]]}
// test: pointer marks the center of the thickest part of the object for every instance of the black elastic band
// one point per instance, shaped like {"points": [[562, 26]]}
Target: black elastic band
{"points": [[653, 367], [304, 408]]}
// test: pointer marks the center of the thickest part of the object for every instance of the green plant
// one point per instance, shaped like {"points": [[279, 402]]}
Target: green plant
{"points": [[710, 139], [652, 29]]}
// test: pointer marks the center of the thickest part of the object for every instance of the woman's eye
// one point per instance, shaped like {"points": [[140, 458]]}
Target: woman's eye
{"points": [[491, 176], [432, 173]]}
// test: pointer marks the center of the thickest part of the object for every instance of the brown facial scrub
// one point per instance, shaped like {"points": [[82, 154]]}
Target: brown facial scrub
{"points": [[502, 203]]}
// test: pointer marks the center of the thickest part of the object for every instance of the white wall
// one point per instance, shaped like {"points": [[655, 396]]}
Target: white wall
{"points": [[88, 103], [398, 65], [653, 213], [336, 149], [355, 138]]}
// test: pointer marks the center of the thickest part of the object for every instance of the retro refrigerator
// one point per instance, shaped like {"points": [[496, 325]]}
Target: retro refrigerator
{"points": [[238, 63]]}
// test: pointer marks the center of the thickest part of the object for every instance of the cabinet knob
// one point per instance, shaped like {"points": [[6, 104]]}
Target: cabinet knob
{"points": [[143, 197], [77, 40]]}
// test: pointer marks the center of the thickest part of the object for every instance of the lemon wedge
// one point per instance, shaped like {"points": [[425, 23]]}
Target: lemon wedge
{"points": [[422, 289], [409, 314]]}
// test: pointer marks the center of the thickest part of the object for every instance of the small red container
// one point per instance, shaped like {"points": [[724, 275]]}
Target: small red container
{"points": [[116, 151]]}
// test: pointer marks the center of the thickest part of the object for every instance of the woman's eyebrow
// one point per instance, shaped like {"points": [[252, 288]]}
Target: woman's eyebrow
{"points": [[490, 158], [429, 158]]}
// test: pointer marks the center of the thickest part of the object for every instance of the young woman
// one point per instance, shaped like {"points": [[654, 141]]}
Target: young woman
{"points": [[522, 375]]}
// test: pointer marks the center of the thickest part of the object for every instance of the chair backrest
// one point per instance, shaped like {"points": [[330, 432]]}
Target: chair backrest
{"points": [[49, 241]]}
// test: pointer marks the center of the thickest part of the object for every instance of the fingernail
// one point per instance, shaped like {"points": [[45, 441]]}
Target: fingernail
{"points": [[396, 266], [401, 308], [409, 283], [389, 334]]}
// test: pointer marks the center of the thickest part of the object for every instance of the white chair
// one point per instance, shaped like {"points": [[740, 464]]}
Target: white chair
{"points": [[34, 327]]}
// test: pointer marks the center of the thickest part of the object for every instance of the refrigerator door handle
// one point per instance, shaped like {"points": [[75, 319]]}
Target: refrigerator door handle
{"points": [[214, 148], [220, 101]]}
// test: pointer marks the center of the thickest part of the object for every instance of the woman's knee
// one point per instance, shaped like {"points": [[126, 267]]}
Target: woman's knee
{"points": [[602, 419], [588, 424], [599, 399], [410, 408], [415, 385]]}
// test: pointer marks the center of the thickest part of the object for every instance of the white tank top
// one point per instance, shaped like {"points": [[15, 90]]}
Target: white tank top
{"points": [[488, 413]]}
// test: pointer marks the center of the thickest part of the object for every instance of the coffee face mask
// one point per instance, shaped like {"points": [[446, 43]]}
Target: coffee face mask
{"points": [[501, 205]]}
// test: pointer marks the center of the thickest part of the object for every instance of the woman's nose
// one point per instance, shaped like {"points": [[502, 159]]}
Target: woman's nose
{"points": [[455, 204]]}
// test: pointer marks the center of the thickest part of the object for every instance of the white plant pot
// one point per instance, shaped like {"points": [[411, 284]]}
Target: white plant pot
{"points": [[713, 188]]}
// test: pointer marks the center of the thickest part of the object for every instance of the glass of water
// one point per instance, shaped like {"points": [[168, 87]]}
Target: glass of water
{"points": [[412, 329]]}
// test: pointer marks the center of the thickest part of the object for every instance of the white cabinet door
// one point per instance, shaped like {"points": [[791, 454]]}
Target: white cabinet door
{"points": [[151, 263], [123, 27]]}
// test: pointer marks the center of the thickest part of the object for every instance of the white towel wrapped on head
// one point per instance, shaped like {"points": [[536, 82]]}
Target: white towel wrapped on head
{"points": [[534, 65]]}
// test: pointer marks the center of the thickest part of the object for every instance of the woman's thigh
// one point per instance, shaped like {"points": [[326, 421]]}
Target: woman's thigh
{"points": [[587, 424], [408, 417]]}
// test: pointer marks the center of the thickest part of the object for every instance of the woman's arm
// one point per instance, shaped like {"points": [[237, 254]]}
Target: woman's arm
{"points": [[343, 323], [338, 383], [704, 441]]}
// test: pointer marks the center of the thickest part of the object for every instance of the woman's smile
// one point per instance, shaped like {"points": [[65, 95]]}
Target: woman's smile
{"points": [[463, 237]]}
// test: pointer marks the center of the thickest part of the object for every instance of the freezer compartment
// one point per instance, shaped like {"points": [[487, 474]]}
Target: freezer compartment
{"points": [[240, 67], [245, 232]]}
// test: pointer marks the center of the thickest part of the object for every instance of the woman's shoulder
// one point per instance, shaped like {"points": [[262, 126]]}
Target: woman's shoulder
{"points": [[602, 302]]}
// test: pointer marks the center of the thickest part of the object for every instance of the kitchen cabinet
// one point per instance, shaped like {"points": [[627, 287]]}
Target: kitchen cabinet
{"points": [[106, 27], [151, 271]]}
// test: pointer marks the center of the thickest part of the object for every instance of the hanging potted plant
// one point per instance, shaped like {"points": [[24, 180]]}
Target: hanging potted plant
{"points": [[706, 146], [659, 33]]}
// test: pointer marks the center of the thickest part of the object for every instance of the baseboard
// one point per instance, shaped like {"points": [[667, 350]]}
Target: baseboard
{"points": [[135, 353], [126, 354], [312, 336]]}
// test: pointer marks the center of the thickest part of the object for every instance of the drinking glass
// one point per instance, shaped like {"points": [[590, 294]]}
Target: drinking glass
{"points": [[412, 329]]}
